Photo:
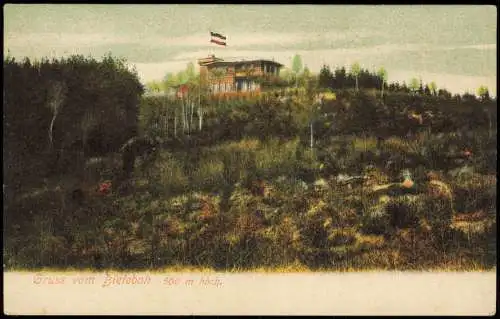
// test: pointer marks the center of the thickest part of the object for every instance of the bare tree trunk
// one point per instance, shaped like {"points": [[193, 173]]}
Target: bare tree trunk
{"points": [[51, 129], [191, 119], [200, 111], [166, 124], [186, 112], [56, 100], [175, 123], [200, 118], [312, 135], [183, 115], [199, 104]]}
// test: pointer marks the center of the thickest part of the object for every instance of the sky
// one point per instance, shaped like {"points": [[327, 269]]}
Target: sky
{"points": [[454, 46]]}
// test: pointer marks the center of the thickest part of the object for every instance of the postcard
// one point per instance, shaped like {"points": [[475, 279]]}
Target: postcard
{"points": [[250, 159]]}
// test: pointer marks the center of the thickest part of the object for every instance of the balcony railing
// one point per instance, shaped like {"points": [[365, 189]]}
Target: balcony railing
{"points": [[249, 73]]}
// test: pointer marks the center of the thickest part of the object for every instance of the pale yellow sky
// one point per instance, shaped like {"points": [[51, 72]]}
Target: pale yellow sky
{"points": [[455, 46]]}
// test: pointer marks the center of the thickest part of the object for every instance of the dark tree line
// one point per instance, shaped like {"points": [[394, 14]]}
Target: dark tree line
{"points": [[57, 113], [340, 79]]}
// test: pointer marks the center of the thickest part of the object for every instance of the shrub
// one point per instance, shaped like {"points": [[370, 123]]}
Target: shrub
{"points": [[438, 213], [343, 236], [404, 211], [170, 173], [475, 193], [365, 144], [384, 215]]}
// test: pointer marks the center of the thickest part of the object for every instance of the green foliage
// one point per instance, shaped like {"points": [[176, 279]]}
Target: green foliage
{"points": [[93, 114], [433, 87], [382, 73], [325, 76], [414, 84], [483, 92], [297, 64], [356, 69]]}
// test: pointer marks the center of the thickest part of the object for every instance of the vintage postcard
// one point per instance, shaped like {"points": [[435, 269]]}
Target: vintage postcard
{"points": [[249, 159]]}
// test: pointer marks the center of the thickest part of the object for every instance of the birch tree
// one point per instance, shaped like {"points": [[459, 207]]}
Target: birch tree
{"points": [[57, 95], [296, 67], [433, 88], [194, 88], [183, 114], [190, 72], [175, 122], [483, 93], [199, 109], [382, 73], [414, 85], [484, 96], [356, 70]]}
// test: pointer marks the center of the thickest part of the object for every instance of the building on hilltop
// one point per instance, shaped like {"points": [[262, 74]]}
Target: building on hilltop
{"points": [[225, 78]]}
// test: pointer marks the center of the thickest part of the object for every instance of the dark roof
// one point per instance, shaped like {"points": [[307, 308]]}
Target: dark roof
{"points": [[209, 60], [243, 62]]}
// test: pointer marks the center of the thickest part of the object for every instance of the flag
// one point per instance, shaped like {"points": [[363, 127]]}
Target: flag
{"points": [[217, 38]]}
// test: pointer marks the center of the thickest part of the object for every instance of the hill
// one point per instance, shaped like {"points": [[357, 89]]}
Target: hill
{"points": [[286, 179]]}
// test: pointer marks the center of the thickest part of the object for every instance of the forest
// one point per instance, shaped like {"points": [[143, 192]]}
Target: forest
{"points": [[336, 171]]}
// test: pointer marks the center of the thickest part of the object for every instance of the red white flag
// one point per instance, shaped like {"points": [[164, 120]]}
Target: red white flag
{"points": [[217, 38]]}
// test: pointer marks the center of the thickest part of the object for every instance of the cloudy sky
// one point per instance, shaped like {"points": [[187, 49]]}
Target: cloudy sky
{"points": [[455, 46]]}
